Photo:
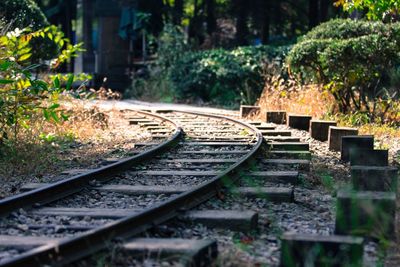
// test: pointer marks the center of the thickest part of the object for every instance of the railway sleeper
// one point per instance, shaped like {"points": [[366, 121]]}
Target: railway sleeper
{"points": [[241, 221], [276, 133], [289, 154], [281, 139], [189, 252], [265, 127], [289, 146], [146, 124], [137, 121], [274, 194]]}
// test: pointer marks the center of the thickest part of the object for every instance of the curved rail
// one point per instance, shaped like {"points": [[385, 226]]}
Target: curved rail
{"points": [[72, 249], [72, 185]]}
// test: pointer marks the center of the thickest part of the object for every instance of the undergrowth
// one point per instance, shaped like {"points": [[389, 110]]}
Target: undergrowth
{"points": [[38, 149], [288, 95]]}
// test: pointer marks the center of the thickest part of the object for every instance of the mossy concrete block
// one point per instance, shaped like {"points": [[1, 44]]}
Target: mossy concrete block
{"points": [[374, 178], [369, 157], [300, 122], [275, 116], [248, 110], [366, 213], [355, 142], [319, 129], [315, 250], [335, 136]]}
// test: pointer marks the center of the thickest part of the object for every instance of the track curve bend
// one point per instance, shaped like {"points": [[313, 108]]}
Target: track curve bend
{"points": [[193, 136]]}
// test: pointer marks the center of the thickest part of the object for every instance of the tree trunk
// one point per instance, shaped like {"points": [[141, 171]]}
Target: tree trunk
{"points": [[178, 12], [266, 21], [211, 20], [194, 21], [324, 10], [241, 22], [313, 13], [277, 11]]}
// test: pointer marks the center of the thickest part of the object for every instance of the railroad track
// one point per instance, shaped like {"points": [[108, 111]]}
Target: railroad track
{"points": [[193, 158]]}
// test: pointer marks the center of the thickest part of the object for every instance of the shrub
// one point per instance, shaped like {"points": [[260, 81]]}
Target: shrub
{"points": [[23, 94], [172, 45], [352, 59], [224, 77], [26, 13], [344, 29], [22, 14]]}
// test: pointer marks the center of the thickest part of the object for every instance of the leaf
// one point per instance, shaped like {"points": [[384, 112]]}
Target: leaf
{"points": [[56, 82], [54, 106], [41, 84], [64, 116], [24, 57], [2, 81], [70, 81], [4, 65], [46, 114], [54, 116]]}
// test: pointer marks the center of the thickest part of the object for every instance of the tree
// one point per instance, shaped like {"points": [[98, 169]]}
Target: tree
{"points": [[375, 10], [211, 20], [313, 13], [178, 12], [22, 13], [241, 21]]}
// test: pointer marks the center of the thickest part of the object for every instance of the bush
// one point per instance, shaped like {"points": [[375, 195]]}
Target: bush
{"points": [[26, 13], [344, 29], [22, 14], [353, 60], [224, 77], [23, 94]]}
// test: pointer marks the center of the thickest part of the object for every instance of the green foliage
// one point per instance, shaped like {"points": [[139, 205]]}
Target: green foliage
{"points": [[375, 9], [22, 14], [157, 84], [352, 61], [344, 29], [23, 94], [172, 45], [221, 76]]}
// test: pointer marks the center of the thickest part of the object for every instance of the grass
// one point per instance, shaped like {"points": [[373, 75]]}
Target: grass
{"points": [[44, 150], [314, 100]]}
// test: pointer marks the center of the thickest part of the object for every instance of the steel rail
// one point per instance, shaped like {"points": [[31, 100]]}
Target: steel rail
{"points": [[74, 184], [69, 250]]}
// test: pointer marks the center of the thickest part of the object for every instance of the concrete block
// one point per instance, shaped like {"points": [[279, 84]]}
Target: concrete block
{"points": [[355, 142], [374, 178], [300, 122], [315, 250], [366, 213], [275, 116], [248, 110], [335, 136], [319, 129], [369, 157]]}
